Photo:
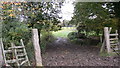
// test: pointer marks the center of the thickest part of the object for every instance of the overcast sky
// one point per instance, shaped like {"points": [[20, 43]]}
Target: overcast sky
{"points": [[67, 10]]}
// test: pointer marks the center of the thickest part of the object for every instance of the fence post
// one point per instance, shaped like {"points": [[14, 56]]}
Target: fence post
{"points": [[1, 53], [35, 39], [107, 39]]}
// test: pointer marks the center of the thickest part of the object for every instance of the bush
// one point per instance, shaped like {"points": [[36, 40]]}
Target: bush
{"points": [[72, 35], [45, 38], [76, 35], [15, 30], [30, 51], [80, 38]]}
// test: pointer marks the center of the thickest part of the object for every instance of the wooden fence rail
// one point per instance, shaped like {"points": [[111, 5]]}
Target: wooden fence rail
{"points": [[109, 43]]}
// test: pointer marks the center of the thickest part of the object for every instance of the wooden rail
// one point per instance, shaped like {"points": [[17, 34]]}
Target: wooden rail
{"points": [[110, 43]]}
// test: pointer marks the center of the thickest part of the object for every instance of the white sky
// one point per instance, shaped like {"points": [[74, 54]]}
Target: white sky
{"points": [[67, 10]]}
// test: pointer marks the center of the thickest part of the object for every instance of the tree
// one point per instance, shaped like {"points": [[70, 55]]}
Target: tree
{"points": [[41, 15], [117, 14], [93, 16], [12, 29]]}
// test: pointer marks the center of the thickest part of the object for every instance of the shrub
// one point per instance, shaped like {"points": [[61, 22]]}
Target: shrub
{"points": [[45, 38], [15, 30], [72, 35], [80, 38]]}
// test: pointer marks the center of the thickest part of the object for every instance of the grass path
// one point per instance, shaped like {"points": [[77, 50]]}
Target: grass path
{"points": [[64, 32]]}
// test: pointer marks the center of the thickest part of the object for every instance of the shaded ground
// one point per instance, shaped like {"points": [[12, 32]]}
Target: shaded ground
{"points": [[64, 53]]}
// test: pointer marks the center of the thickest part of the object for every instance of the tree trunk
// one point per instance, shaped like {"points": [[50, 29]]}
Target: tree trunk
{"points": [[39, 31]]}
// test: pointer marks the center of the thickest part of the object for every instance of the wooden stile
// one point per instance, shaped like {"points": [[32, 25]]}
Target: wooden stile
{"points": [[112, 44], [15, 50]]}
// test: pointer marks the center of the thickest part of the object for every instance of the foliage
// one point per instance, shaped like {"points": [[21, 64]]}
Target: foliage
{"points": [[77, 38], [46, 37], [117, 14], [72, 35], [39, 14], [30, 52], [80, 38], [14, 31], [18, 17], [93, 17]]}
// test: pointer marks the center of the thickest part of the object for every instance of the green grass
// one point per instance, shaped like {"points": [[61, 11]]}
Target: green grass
{"points": [[64, 32], [104, 54]]}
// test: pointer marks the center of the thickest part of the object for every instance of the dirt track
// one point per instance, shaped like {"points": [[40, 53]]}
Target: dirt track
{"points": [[63, 53]]}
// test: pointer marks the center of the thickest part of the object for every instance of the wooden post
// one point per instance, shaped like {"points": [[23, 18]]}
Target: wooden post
{"points": [[15, 53], [1, 43], [25, 52], [1, 53], [103, 47], [35, 39], [107, 41]]}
